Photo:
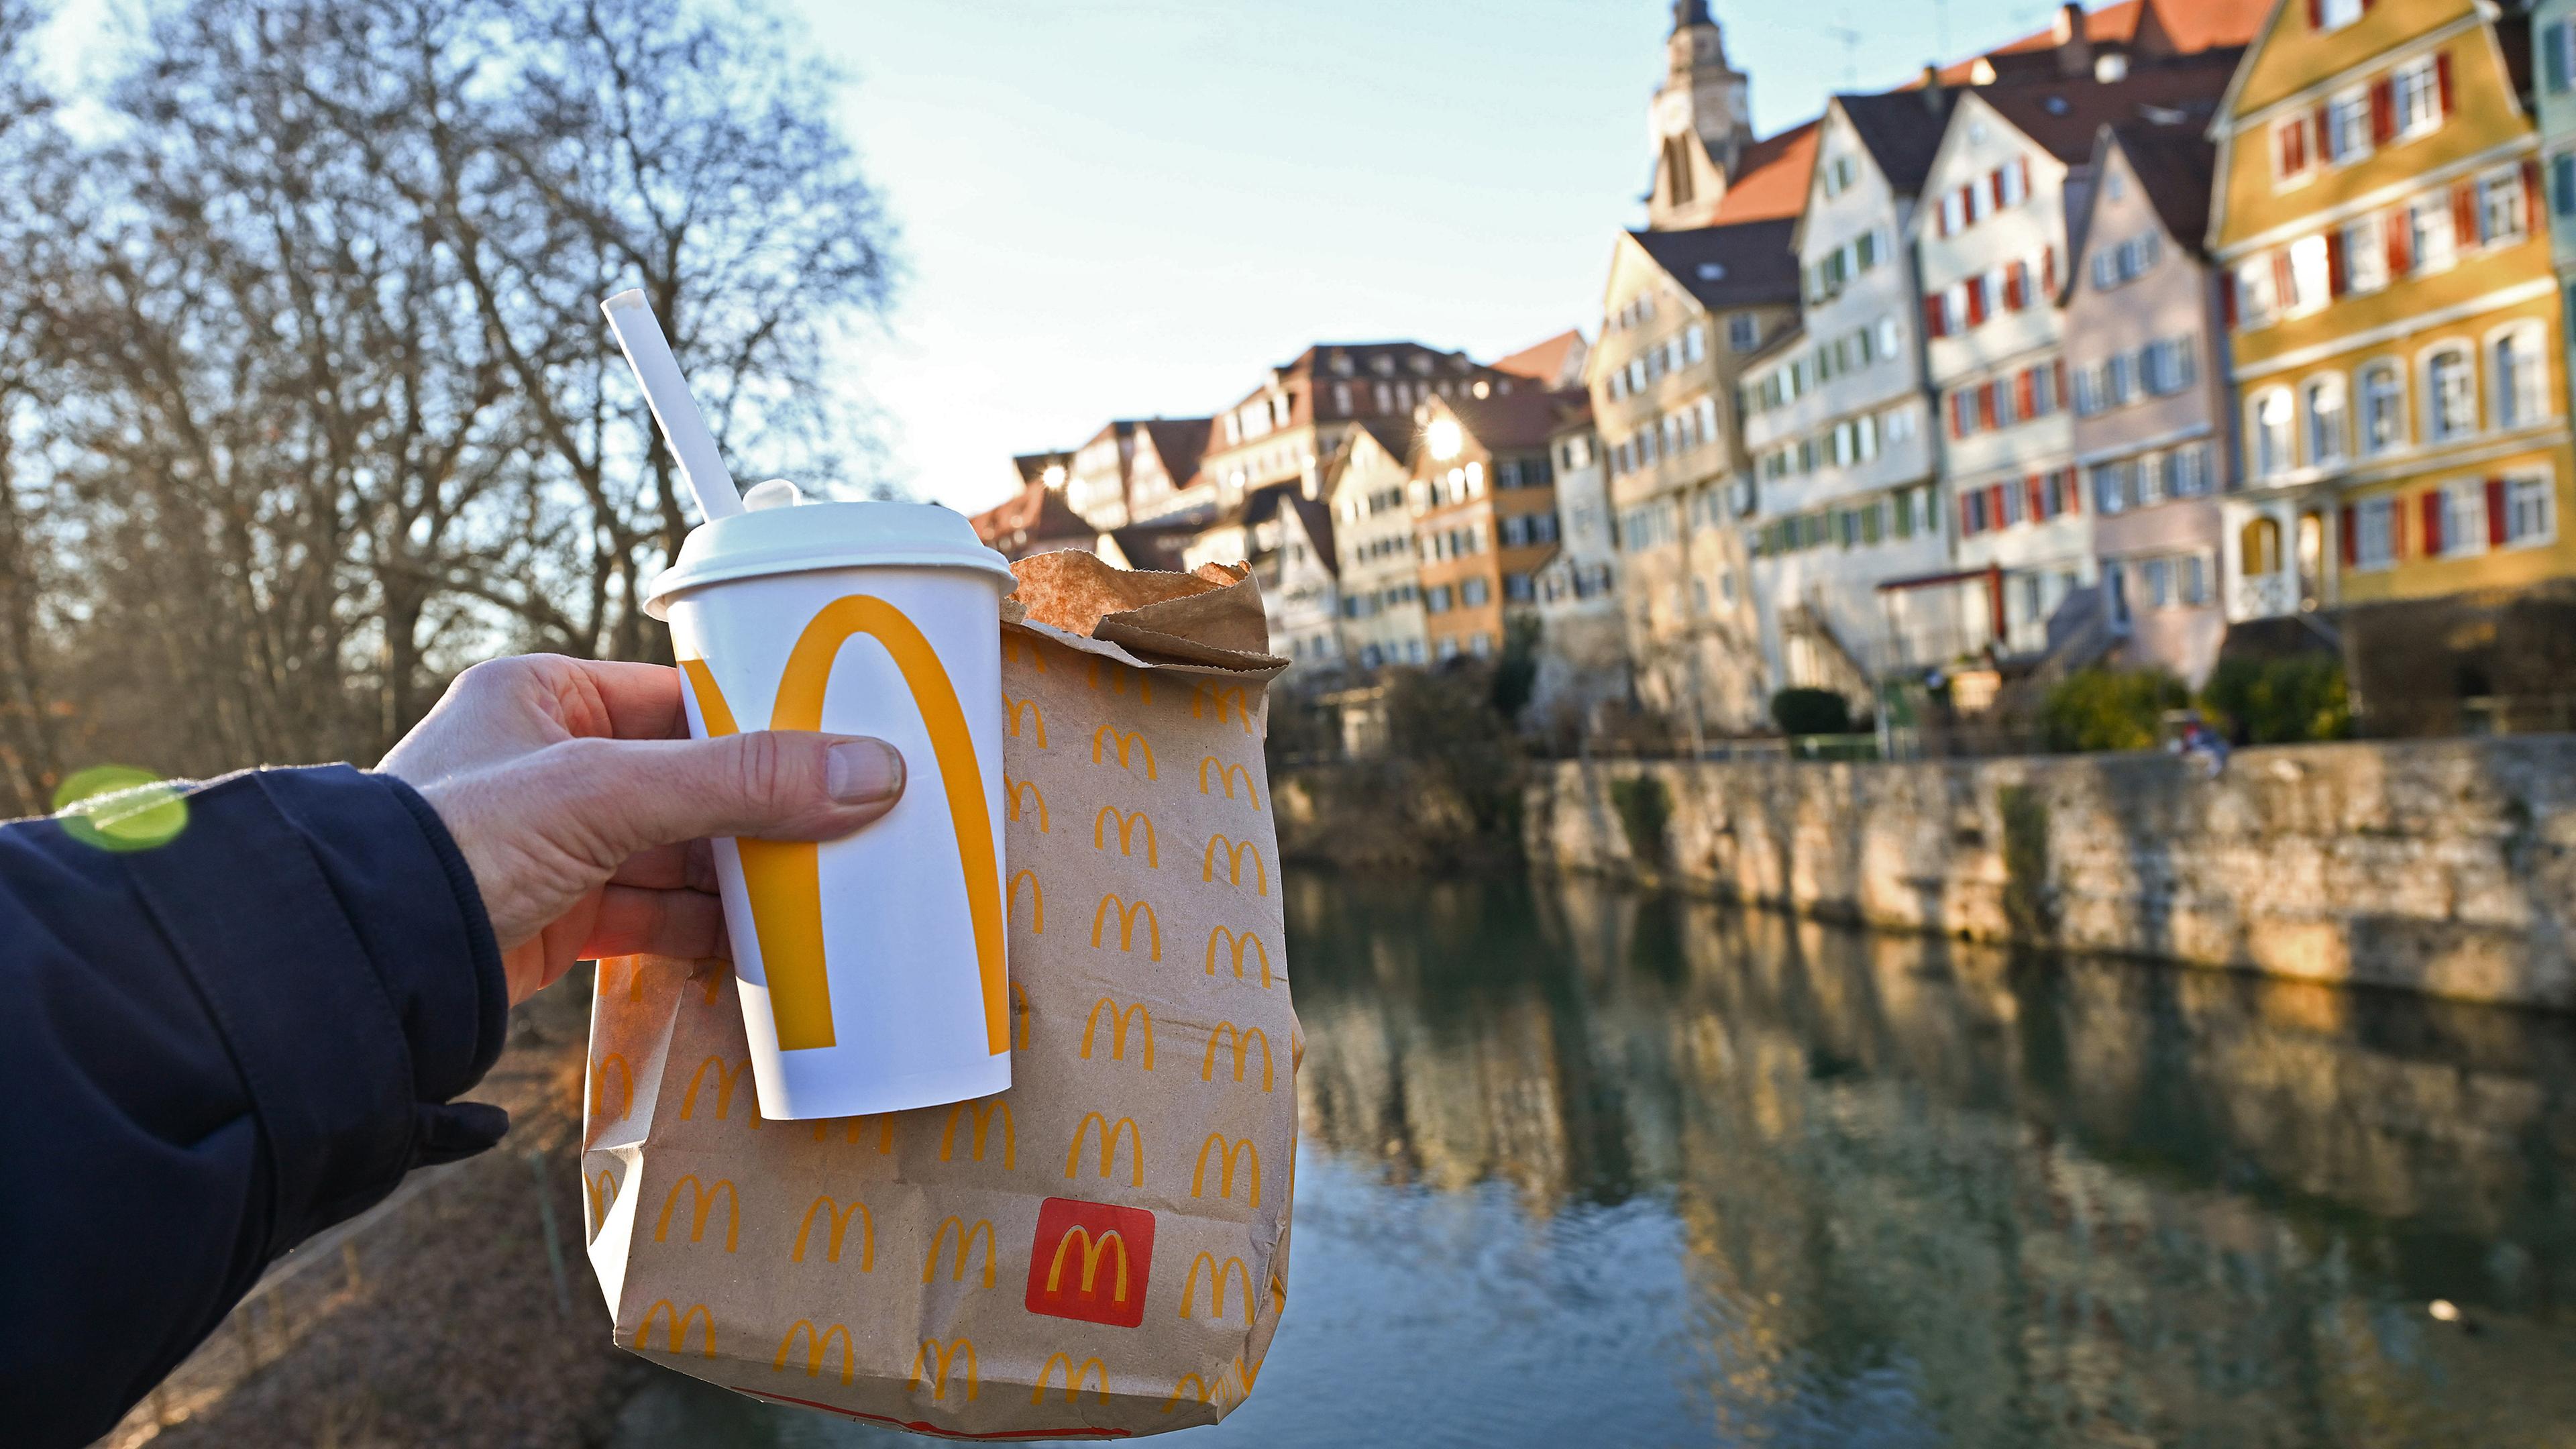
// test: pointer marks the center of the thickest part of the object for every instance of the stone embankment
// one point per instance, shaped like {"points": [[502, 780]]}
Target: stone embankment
{"points": [[2446, 867]]}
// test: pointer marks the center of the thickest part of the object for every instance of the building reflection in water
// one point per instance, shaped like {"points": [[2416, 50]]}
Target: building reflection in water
{"points": [[1969, 1196]]}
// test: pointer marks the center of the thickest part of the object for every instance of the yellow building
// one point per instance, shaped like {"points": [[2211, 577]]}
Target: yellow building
{"points": [[2395, 329]]}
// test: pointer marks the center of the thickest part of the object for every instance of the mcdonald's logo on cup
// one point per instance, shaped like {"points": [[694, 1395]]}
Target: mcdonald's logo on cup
{"points": [[1091, 1261], [872, 968]]}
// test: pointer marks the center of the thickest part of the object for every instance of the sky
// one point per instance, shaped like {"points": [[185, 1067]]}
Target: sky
{"points": [[1131, 208], [1127, 208]]}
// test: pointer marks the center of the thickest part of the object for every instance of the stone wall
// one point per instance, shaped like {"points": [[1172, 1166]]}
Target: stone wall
{"points": [[2442, 867]]}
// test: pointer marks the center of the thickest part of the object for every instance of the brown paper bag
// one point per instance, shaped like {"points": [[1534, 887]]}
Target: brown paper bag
{"points": [[1101, 1250]]}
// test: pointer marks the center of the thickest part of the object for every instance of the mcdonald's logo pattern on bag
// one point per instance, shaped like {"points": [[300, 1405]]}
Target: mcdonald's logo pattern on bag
{"points": [[1107, 1004]]}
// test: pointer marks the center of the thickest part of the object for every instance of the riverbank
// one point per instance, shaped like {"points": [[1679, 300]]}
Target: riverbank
{"points": [[2440, 867]]}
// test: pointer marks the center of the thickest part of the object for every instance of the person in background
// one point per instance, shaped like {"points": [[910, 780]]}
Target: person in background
{"points": [[223, 1043]]}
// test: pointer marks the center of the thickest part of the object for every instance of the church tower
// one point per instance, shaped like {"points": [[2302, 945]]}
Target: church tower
{"points": [[1701, 121]]}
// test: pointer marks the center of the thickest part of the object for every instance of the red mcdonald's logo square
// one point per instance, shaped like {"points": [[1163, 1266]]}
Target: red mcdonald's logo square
{"points": [[1091, 1261]]}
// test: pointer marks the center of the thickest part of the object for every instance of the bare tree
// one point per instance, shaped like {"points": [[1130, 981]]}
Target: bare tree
{"points": [[32, 167]]}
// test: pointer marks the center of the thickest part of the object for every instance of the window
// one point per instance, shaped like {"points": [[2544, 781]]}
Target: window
{"points": [[1954, 212], [2325, 414], [2374, 538], [2290, 147], [2258, 547], [2562, 171], [2530, 512], [2461, 509], [2416, 91], [2309, 267], [2365, 256], [1743, 332], [2258, 297], [1694, 343], [2336, 14], [1473, 592], [2119, 380], [2168, 365], [1435, 599], [2428, 223], [2500, 207], [2110, 488], [2383, 408], [2272, 444], [2450, 395], [2347, 129], [2191, 471], [2558, 55], [2517, 377]]}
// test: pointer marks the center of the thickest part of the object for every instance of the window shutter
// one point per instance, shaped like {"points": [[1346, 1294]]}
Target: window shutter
{"points": [[1933, 320], [2285, 282], [2325, 133], [2038, 499], [2464, 215], [2068, 492], [2026, 392], [2057, 376], [2348, 533], [2432, 506], [2401, 243], [2535, 203], [2014, 300], [1976, 300], [1958, 414], [1995, 504], [2048, 270], [2336, 281], [2023, 163], [2442, 80], [2316, 14], [2227, 300], [2383, 111], [2495, 513], [2553, 43], [1967, 520], [1985, 407]]}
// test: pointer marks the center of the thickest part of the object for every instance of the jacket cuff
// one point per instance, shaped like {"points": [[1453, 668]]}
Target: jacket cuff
{"points": [[338, 941]]}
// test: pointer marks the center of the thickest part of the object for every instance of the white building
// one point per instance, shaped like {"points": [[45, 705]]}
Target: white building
{"points": [[1838, 432], [1365, 485], [1583, 655]]}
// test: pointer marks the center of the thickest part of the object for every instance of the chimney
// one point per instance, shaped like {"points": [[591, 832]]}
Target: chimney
{"points": [[1932, 88], [2074, 45]]}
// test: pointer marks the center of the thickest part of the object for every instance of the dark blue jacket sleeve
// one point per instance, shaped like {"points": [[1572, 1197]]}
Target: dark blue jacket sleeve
{"points": [[210, 1050]]}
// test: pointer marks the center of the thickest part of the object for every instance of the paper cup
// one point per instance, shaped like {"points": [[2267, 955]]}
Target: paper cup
{"points": [[873, 968]]}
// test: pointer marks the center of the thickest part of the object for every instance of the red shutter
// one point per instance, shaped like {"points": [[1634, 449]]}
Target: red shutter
{"points": [[2325, 133], [1985, 408], [1958, 414], [2226, 301], [2026, 392], [2348, 533], [2495, 513], [2383, 111], [2032, 492], [1935, 324], [2336, 281], [1940, 219], [2066, 489], [2432, 522], [1976, 300], [1995, 189], [2057, 376], [1995, 504], [2401, 244], [2464, 215], [2285, 282], [2048, 269], [2016, 286], [1967, 519], [2442, 79], [2535, 202], [2316, 14], [2023, 164]]}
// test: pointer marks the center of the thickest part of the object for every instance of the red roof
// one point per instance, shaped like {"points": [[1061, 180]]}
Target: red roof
{"points": [[1036, 514], [1546, 361], [2178, 27], [1771, 178]]}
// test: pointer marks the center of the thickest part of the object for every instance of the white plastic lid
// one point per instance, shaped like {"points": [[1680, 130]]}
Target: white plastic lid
{"points": [[786, 540]]}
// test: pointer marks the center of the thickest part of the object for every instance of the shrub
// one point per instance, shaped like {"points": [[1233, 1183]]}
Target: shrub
{"points": [[1644, 810], [1811, 712], [2281, 701], [2109, 709]]}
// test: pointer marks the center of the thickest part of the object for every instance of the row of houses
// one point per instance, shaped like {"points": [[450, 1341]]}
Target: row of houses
{"points": [[2180, 328]]}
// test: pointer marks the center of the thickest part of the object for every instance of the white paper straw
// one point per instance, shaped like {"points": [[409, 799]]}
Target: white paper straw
{"points": [[639, 334]]}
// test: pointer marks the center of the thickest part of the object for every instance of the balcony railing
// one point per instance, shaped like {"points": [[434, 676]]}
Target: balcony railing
{"points": [[2264, 596]]}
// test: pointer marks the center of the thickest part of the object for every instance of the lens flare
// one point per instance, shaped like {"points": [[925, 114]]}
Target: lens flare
{"points": [[120, 808]]}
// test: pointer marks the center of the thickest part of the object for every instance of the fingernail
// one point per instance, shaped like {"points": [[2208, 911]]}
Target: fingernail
{"points": [[864, 772]]}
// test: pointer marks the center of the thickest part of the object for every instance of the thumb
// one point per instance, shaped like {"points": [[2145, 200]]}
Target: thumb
{"points": [[767, 784]]}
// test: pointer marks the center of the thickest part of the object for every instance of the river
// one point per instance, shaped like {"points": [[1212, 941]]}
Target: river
{"points": [[1582, 1166]]}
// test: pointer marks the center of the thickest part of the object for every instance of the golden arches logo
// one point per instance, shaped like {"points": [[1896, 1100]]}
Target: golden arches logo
{"points": [[1021, 792], [1109, 1134], [1227, 1153], [857, 1126], [982, 1115], [1093, 1250], [1118, 1021], [1235, 850], [938, 1358], [1026, 1013], [727, 1078], [1119, 675], [1019, 650], [1037, 900], [1129, 745], [599, 1088], [1226, 1390], [783, 877], [677, 1337], [1236, 945], [1217, 1277], [836, 1222], [603, 1196], [1074, 1378], [1127, 915], [702, 1201], [966, 1237], [1241, 1042], [1226, 775], [1013, 711], [817, 1349], [607, 981], [1224, 697], [1126, 821]]}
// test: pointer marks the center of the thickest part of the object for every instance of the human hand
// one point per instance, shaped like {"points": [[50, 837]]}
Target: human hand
{"points": [[575, 794]]}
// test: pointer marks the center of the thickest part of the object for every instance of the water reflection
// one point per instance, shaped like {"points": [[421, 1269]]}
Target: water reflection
{"points": [[1585, 1166], [1943, 1194]]}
